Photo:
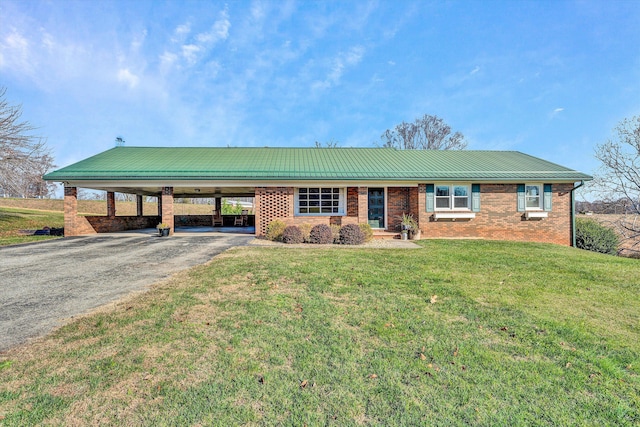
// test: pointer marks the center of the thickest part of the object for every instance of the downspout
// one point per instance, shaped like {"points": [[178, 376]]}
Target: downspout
{"points": [[573, 214]]}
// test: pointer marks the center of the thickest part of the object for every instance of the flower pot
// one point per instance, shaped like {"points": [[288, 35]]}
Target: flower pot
{"points": [[415, 235], [405, 234], [163, 232]]}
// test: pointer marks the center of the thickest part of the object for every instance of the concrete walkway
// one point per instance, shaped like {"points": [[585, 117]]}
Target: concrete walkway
{"points": [[44, 284]]}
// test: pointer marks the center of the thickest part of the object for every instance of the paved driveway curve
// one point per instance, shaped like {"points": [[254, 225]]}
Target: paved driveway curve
{"points": [[43, 284]]}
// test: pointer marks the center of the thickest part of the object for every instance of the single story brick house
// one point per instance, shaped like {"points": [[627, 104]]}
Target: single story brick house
{"points": [[503, 195]]}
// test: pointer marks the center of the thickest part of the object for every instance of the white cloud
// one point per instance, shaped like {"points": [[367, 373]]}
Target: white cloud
{"points": [[167, 59], [556, 112], [15, 53], [190, 53], [183, 29], [339, 64], [475, 70], [127, 77], [219, 30]]}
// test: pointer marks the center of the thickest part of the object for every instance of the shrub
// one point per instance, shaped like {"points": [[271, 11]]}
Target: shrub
{"points": [[305, 229], [335, 233], [292, 235], [593, 236], [351, 234], [275, 230], [321, 234], [366, 231]]}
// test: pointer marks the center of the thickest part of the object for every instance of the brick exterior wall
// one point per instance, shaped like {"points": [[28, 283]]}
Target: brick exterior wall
{"points": [[499, 219], [401, 200], [352, 201]]}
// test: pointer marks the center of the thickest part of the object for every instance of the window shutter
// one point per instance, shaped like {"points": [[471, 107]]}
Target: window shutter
{"points": [[548, 193], [475, 197], [521, 202], [430, 198]]}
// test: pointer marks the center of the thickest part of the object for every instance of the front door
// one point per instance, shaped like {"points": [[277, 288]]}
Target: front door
{"points": [[376, 207]]}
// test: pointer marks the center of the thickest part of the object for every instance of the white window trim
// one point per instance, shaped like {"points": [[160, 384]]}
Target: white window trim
{"points": [[540, 206], [453, 215], [342, 202], [451, 197]]}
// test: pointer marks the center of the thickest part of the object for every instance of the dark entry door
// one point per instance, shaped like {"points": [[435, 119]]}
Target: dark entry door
{"points": [[376, 207]]}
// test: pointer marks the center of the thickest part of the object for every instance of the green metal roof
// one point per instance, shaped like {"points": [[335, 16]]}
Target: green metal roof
{"points": [[289, 164]]}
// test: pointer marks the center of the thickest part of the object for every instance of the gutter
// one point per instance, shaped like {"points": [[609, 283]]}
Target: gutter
{"points": [[573, 214]]}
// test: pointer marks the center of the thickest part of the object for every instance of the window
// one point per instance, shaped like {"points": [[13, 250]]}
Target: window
{"points": [[452, 197], [320, 201], [532, 196], [535, 197]]}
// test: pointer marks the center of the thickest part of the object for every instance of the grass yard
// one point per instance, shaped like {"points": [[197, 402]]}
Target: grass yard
{"points": [[12, 220], [453, 333]]}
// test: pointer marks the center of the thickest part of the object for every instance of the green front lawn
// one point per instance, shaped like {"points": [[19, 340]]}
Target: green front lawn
{"points": [[14, 220], [454, 333]]}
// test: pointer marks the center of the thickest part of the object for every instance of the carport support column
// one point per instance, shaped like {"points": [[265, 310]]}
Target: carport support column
{"points": [[70, 211], [111, 204], [139, 205], [167, 207]]}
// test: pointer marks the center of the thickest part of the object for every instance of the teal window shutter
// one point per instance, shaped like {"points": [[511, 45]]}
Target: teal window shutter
{"points": [[430, 198], [521, 202], [475, 197], [548, 193]]}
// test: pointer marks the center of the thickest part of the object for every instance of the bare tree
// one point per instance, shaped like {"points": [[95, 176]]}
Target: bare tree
{"points": [[618, 178], [329, 144], [425, 133], [24, 157]]}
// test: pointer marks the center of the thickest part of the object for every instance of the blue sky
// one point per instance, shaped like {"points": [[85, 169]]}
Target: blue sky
{"points": [[548, 78]]}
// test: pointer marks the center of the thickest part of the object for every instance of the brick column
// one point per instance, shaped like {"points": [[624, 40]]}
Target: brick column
{"points": [[111, 204], [139, 205], [70, 211], [423, 215], [167, 207], [363, 205], [257, 211]]}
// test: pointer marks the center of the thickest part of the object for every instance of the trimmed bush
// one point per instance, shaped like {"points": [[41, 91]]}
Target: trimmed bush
{"points": [[351, 234], [305, 229], [593, 236], [366, 231], [321, 234], [292, 235], [275, 230], [335, 232]]}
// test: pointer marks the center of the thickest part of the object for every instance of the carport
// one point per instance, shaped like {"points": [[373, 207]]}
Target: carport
{"points": [[161, 174], [76, 224]]}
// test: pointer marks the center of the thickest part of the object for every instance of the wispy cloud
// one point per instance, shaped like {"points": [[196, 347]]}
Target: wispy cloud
{"points": [[339, 64], [556, 112], [127, 77], [219, 31]]}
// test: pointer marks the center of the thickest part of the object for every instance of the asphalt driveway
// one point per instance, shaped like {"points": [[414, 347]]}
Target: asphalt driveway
{"points": [[44, 284]]}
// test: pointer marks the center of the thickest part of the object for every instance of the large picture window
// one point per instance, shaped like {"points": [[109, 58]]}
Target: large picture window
{"points": [[452, 197], [320, 201]]}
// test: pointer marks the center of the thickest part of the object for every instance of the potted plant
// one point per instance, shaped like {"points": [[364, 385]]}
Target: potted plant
{"points": [[163, 229], [410, 227]]}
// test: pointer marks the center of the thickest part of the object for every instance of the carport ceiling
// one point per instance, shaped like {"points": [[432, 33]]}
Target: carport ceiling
{"points": [[192, 191]]}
